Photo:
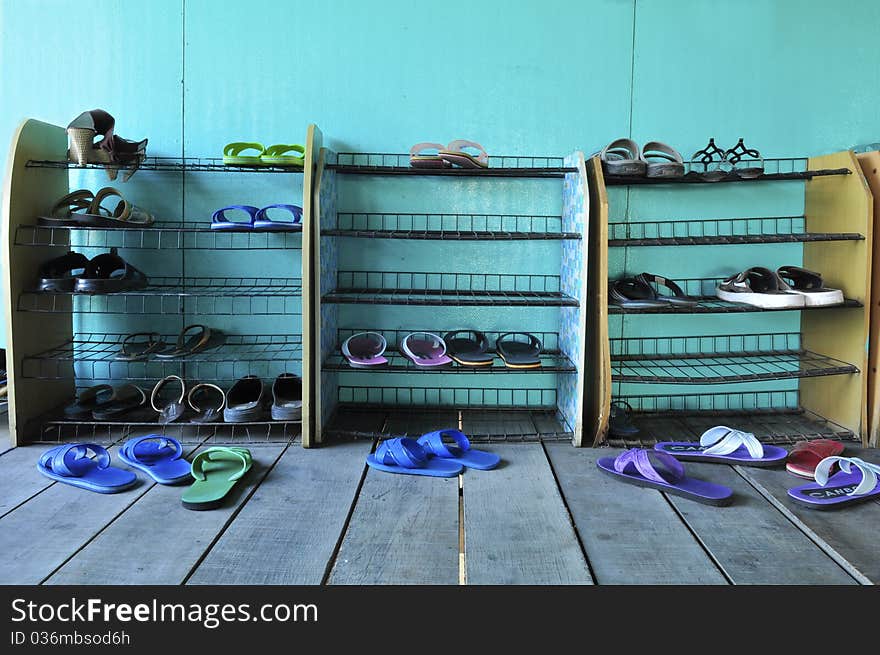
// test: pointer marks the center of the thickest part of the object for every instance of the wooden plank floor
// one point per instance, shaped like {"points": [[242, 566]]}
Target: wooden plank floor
{"points": [[546, 516]]}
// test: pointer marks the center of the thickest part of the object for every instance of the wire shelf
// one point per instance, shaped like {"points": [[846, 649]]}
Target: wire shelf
{"points": [[549, 340], [460, 227], [170, 165], [455, 397], [423, 288], [480, 425], [718, 359], [158, 236], [775, 417], [397, 363], [789, 168], [703, 289], [95, 357], [380, 163], [175, 295], [720, 231]]}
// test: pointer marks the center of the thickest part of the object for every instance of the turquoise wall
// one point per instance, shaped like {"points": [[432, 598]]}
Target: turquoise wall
{"points": [[794, 77]]}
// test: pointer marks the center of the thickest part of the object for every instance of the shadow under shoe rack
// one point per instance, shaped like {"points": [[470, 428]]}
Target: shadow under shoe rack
{"points": [[496, 403], [826, 359], [50, 360]]}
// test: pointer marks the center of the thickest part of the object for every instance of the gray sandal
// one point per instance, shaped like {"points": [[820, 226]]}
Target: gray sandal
{"points": [[622, 157], [662, 160]]}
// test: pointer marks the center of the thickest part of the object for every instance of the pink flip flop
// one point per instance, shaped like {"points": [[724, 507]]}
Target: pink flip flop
{"points": [[365, 349], [424, 349]]}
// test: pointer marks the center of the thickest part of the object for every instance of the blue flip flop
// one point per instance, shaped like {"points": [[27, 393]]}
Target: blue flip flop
{"points": [[405, 455], [158, 456], [220, 222], [461, 452], [71, 465], [263, 223]]}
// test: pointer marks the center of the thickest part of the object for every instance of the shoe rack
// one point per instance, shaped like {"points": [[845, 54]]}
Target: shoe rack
{"points": [[781, 385], [497, 272], [58, 343]]}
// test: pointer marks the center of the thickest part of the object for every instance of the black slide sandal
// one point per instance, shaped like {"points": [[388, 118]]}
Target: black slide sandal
{"points": [[126, 398], [109, 273], [468, 348], [88, 400], [62, 273], [518, 354]]}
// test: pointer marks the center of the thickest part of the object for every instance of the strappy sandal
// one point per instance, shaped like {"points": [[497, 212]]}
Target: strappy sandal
{"points": [[623, 157], [455, 153], [193, 339], [63, 273], [67, 209], [747, 162], [711, 163], [262, 222], [662, 160], [124, 215], [135, 347], [126, 398], [419, 157], [111, 149], [678, 297], [516, 353], [206, 414], [468, 348], [232, 154], [620, 420], [172, 411], [276, 155], [109, 273]]}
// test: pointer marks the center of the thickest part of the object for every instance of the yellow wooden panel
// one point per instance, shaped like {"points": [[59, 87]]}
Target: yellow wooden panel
{"points": [[870, 162], [840, 203], [315, 321], [309, 264], [28, 192], [598, 375]]}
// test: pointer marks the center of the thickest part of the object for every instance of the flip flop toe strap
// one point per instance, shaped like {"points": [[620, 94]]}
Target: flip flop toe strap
{"points": [[868, 470], [221, 454], [130, 447], [402, 451], [638, 460], [433, 442], [722, 440], [72, 461]]}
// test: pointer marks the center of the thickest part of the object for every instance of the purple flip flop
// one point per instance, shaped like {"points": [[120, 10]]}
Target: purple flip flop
{"points": [[425, 350], [847, 487], [723, 445], [365, 349], [634, 466]]}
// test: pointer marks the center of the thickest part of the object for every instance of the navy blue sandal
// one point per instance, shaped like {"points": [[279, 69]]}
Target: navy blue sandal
{"points": [[263, 223], [219, 221]]}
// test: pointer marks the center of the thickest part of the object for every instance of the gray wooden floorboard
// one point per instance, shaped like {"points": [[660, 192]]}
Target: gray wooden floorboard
{"points": [[156, 540], [404, 530], [751, 540], [287, 532], [38, 536], [516, 527], [631, 535], [19, 477], [849, 534]]}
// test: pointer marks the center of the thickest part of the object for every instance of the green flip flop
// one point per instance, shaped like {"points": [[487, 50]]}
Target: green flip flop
{"points": [[216, 470], [275, 155], [232, 154]]}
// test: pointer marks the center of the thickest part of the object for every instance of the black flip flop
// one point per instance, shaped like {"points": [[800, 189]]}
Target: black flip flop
{"points": [[88, 400], [620, 420], [287, 398], [192, 339], [126, 398], [134, 349], [516, 353], [468, 348], [109, 273], [62, 273]]}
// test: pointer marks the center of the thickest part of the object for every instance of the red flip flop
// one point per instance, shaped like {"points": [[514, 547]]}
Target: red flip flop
{"points": [[805, 455]]}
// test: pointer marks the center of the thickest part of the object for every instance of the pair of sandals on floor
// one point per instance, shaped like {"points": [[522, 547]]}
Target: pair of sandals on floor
{"points": [[625, 158], [104, 273], [428, 350], [213, 472], [661, 468], [438, 454], [462, 153], [243, 403]]}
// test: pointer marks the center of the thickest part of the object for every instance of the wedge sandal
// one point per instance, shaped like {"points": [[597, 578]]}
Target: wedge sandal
{"points": [[216, 471], [111, 149]]}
